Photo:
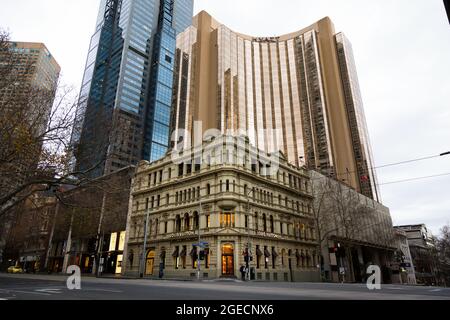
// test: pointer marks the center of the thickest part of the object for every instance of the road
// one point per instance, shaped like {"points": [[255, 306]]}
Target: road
{"points": [[44, 287]]}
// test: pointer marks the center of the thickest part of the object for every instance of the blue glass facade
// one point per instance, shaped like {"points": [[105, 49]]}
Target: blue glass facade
{"points": [[125, 100]]}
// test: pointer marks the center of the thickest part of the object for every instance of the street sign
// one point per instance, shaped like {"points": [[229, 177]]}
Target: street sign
{"points": [[202, 244]]}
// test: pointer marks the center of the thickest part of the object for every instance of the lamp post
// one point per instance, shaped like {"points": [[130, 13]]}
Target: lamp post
{"points": [[198, 223], [144, 251], [249, 253]]}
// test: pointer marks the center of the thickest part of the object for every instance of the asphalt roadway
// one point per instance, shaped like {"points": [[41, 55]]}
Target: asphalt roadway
{"points": [[52, 287]]}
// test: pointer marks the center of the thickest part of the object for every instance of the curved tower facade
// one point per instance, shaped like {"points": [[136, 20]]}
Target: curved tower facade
{"points": [[297, 93]]}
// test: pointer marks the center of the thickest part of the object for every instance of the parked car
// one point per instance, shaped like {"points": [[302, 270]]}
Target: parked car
{"points": [[15, 269]]}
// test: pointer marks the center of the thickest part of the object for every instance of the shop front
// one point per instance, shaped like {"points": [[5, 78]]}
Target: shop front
{"points": [[111, 257]]}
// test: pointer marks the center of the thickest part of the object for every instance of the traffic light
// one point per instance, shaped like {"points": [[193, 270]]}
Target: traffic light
{"points": [[202, 255]]}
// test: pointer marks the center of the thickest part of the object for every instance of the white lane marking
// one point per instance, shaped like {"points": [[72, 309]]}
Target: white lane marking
{"points": [[436, 290], [52, 291], [103, 290], [29, 292], [3, 299]]}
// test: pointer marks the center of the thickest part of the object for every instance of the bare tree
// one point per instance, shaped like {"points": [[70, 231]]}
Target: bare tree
{"points": [[442, 255], [342, 213], [36, 126]]}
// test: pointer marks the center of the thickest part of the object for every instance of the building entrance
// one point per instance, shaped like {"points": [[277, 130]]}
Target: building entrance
{"points": [[228, 260], [150, 262]]}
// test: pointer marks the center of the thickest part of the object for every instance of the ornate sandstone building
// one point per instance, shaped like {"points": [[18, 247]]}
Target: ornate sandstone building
{"points": [[237, 198]]}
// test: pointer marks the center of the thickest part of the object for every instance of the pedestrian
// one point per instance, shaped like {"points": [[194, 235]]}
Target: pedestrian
{"points": [[242, 269]]}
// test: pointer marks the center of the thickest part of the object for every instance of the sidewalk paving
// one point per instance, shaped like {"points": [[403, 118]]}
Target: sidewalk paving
{"points": [[61, 276]]}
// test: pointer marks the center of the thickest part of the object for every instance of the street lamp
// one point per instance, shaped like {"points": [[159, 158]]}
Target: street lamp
{"points": [[144, 251], [249, 254], [198, 223]]}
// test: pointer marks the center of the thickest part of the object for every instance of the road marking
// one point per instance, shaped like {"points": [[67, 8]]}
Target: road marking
{"points": [[103, 290], [29, 292], [52, 291], [3, 299], [436, 290]]}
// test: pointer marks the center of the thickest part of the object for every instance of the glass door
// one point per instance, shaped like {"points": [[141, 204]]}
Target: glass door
{"points": [[228, 260]]}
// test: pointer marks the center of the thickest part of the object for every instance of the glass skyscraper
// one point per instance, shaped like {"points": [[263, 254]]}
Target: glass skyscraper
{"points": [[126, 95]]}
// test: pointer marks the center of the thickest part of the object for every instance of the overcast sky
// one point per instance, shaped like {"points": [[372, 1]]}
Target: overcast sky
{"points": [[402, 52]]}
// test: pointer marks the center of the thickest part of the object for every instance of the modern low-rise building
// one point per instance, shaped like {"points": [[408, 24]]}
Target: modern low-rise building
{"points": [[420, 241], [204, 210], [403, 266], [354, 231]]}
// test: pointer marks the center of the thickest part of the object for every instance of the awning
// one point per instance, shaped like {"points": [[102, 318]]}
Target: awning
{"points": [[183, 253], [274, 253], [175, 253], [258, 252], [266, 253]]}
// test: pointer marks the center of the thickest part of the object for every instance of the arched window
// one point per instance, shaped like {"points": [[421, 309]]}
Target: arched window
{"points": [[208, 189], [196, 221], [256, 221], [245, 190], [272, 226], [264, 222], [198, 193], [186, 222], [178, 223], [298, 256]]}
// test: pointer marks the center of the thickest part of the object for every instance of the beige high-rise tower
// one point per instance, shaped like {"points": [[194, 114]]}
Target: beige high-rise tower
{"points": [[297, 93]]}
